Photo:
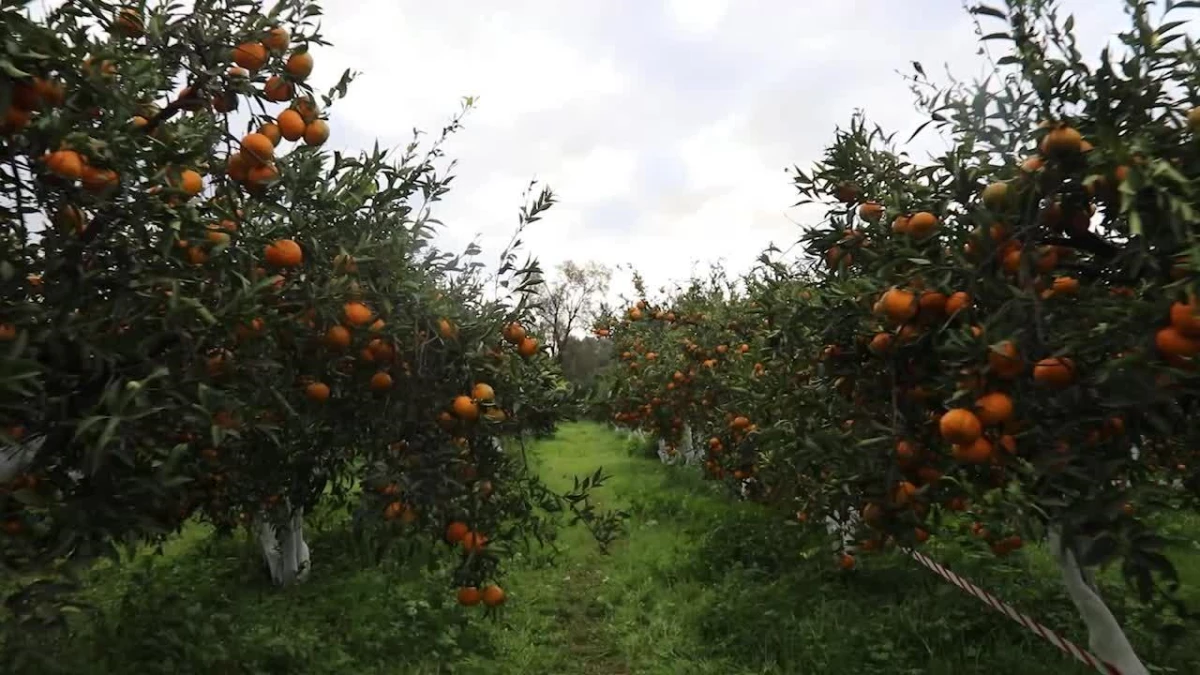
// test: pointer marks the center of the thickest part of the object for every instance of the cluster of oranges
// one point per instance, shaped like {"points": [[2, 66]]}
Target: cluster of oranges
{"points": [[472, 542], [253, 165], [514, 334]]}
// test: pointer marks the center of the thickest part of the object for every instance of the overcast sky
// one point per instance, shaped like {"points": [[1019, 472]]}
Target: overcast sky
{"points": [[664, 126]]}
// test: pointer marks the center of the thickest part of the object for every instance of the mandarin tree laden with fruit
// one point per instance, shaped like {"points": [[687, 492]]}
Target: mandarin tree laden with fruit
{"points": [[1008, 332], [208, 315]]}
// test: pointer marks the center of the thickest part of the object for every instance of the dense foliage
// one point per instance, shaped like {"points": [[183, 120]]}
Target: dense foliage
{"points": [[207, 315], [1008, 331]]}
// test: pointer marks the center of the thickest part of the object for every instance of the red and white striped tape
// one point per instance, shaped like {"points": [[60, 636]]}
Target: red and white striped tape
{"points": [[1082, 655]]}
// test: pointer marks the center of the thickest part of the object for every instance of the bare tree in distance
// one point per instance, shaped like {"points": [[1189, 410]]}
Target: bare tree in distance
{"points": [[569, 300]]}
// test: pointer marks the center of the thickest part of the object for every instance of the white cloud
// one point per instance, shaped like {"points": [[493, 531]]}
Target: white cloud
{"points": [[697, 16], [664, 127]]}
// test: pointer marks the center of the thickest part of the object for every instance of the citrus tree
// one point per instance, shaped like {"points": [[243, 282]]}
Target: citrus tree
{"points": [[1009, 330], [207, 315]]}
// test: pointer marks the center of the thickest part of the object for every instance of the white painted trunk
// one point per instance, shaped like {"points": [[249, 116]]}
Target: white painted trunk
{"points": [[664, 454], [14, 458], [844, 527], [1105, 637], [284, 550], [689, 449]]}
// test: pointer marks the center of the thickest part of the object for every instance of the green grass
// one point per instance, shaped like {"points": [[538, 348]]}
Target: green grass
{"points": [[699, 585]]}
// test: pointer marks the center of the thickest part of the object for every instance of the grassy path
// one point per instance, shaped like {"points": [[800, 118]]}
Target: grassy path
{"points": [[699, 586]]}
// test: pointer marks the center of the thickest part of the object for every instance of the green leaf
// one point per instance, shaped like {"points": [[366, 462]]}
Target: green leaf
{"points": [[988, 11]]}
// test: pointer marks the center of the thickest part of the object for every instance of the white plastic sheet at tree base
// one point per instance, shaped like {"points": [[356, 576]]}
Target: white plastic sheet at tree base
{"points": [[1105, 637], [284, 549]]}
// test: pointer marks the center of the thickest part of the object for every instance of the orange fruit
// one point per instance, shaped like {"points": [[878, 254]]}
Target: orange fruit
{"points": [[317, 392], [1054, 372], [528, 347], [1012, 261], [381, 381], [393, 510], [483, 392], [283, 253], [291, 125], [904, 492], [465, 409], [447, 329], [995, 195], [870, 211], [1065, 286], [1172, 342], [236, 167], [922, 224], [196, 255], [994, 408], [473, 542], [958, 302], [932, 304], [881, 343], [978, 451], [1046, 259], [1063, 140], [98, 180], [299, 65], [15, 119], [338, 337], [1009, 443], [1185, 317], [455, 531], [469, 596], [262, 175], [307, 108], [960, 426], [257, 149], [1005, 361], [357, 314], [316, 133], [493, 596], [899, 305], [278, 89], [250, 55], [847, 192], [271, 131], [846, 561], [513, 333], [901, 225], [65, 163], [190, 182], [277, 39], [129, 23]]}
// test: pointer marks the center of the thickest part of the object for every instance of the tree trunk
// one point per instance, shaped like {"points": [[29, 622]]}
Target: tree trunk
{"points": [[663, 455], [284, 550], [687, 447], [14, 458], [844, 527], [1105, 637]]}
